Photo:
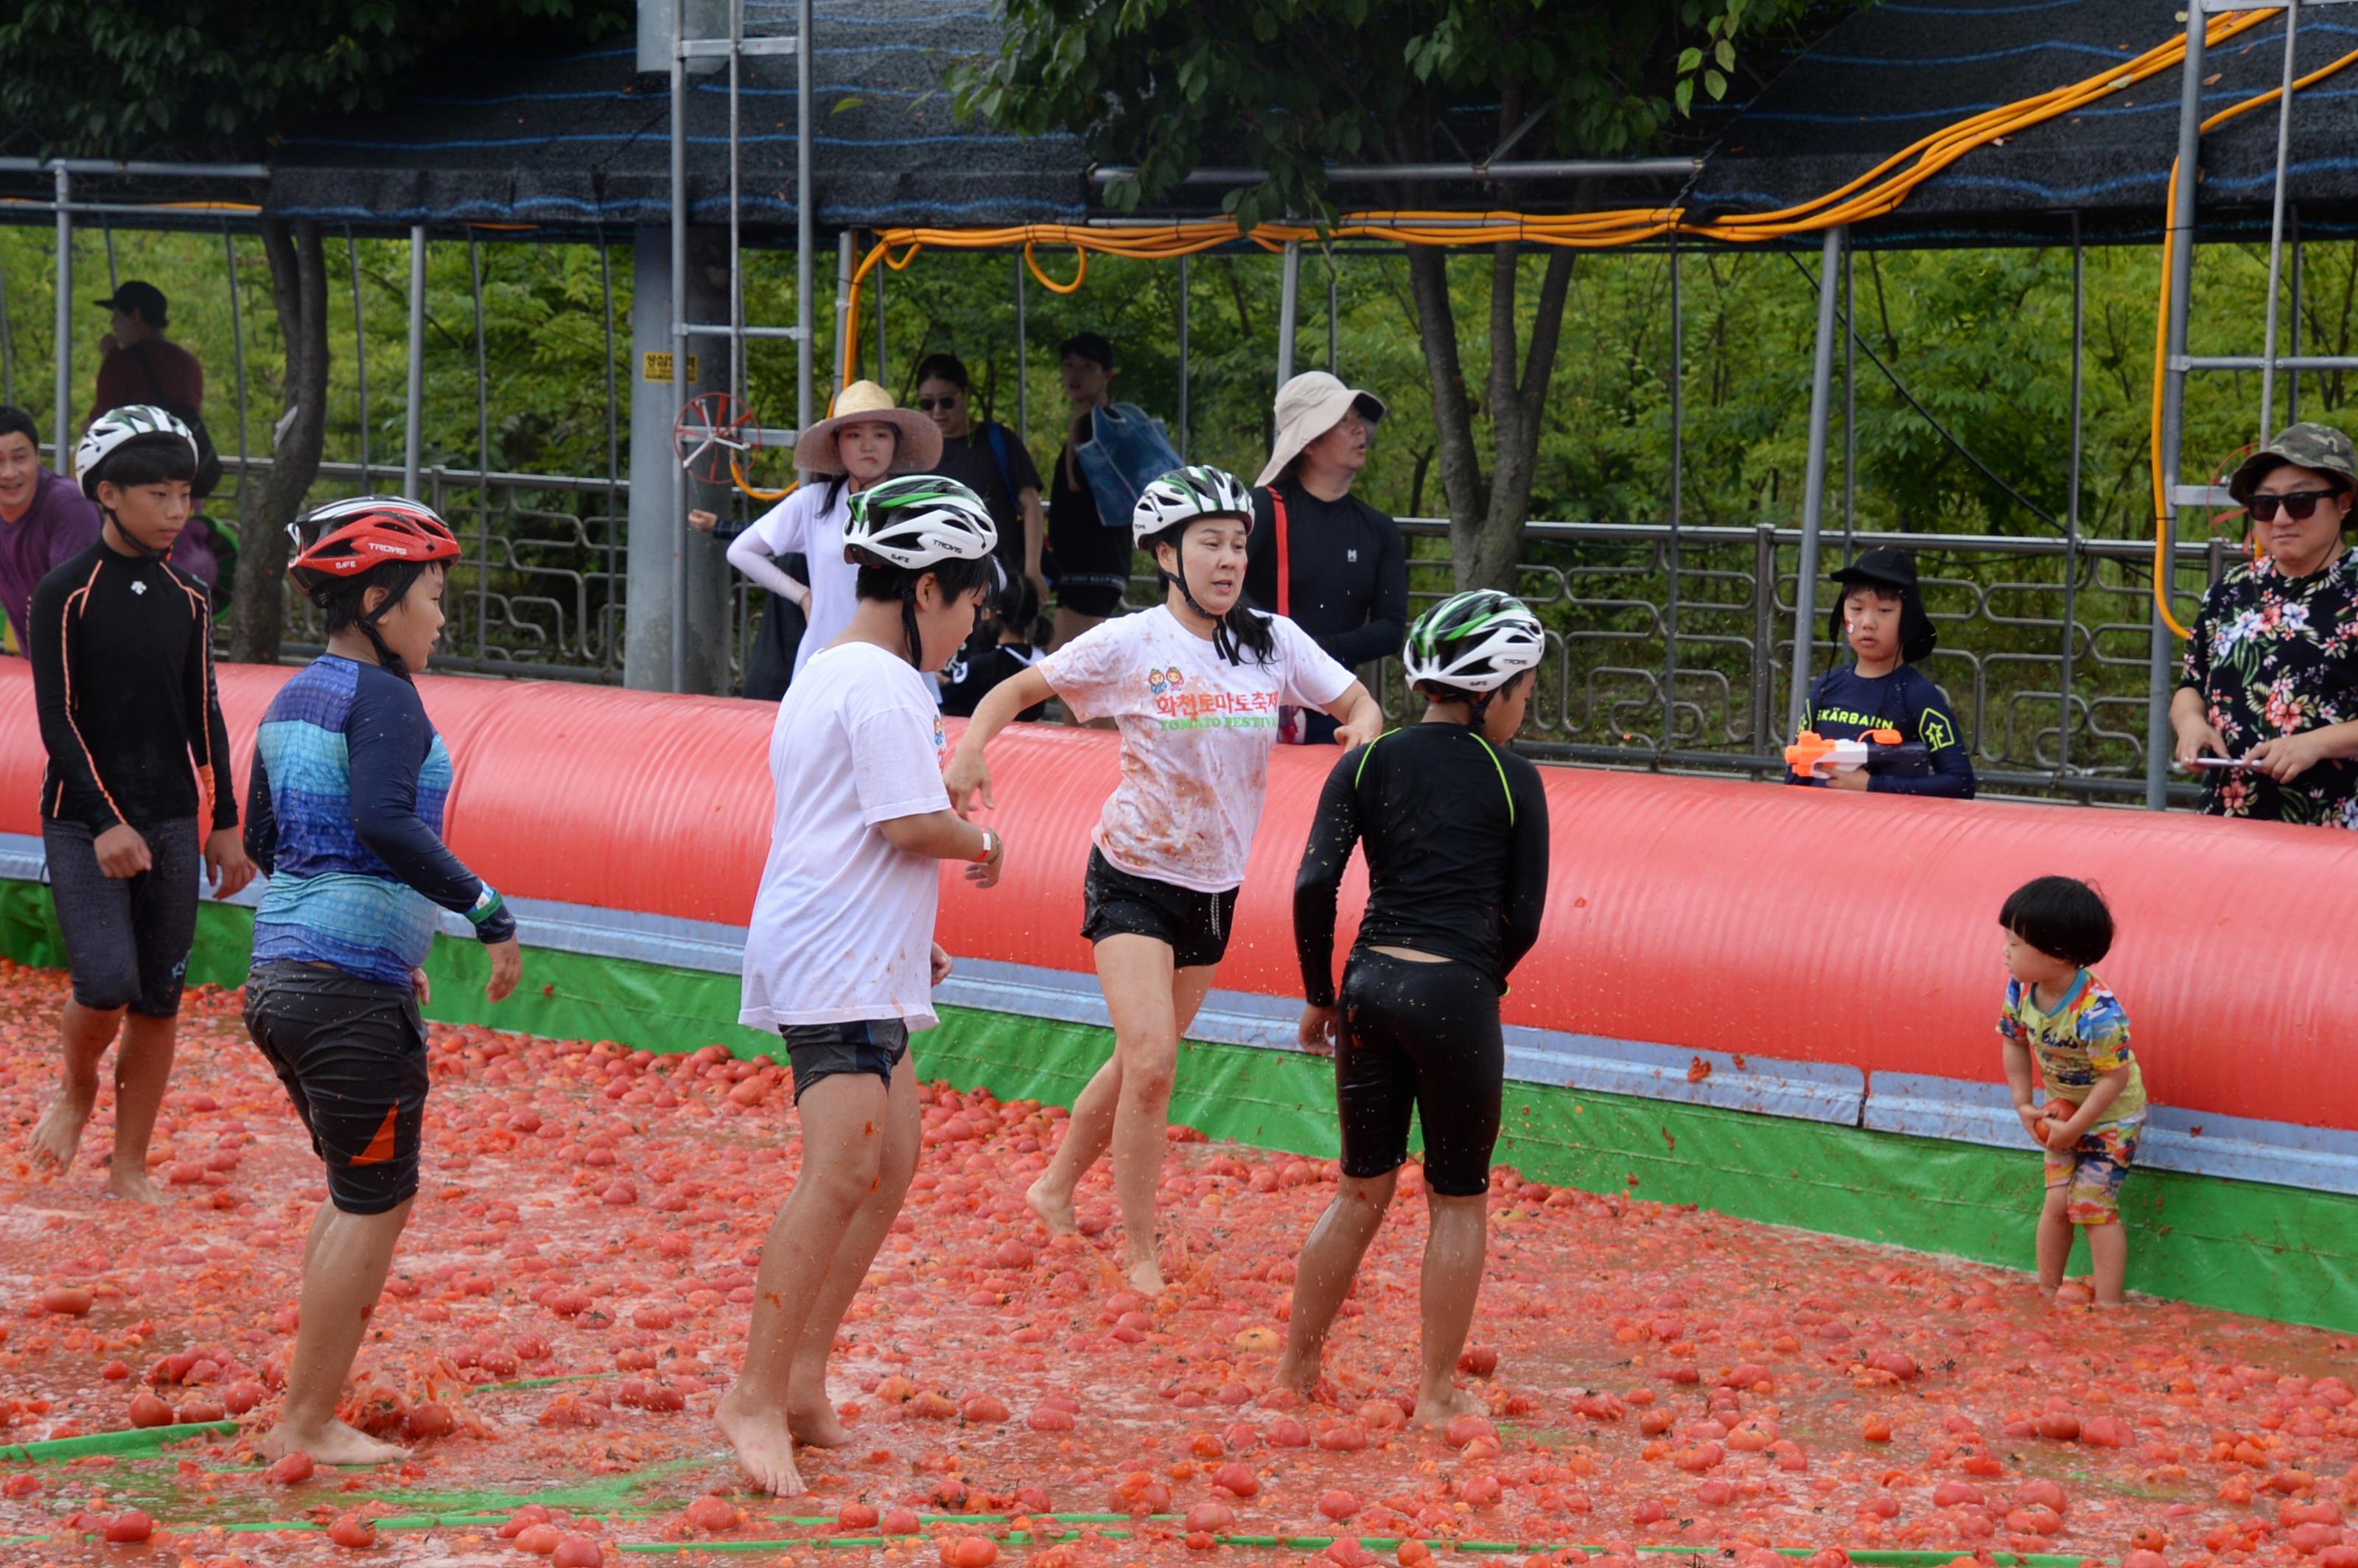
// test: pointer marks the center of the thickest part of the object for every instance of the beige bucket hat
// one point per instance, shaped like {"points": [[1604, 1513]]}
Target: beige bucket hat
{"points": [[1307, 407], [917, 449]]}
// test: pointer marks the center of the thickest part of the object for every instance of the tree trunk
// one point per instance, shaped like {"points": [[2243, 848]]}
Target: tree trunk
{"points": [[299, 286], [1486, 513]]}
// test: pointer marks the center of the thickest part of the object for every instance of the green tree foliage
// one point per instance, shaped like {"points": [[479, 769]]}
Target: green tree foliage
{"points": [[1161, 86], [209, 79]]}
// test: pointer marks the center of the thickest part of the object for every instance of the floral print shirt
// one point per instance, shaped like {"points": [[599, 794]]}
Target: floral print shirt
{"points": [[2277, 655]]}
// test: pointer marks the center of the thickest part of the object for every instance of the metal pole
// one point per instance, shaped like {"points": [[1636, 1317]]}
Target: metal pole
{"points": [[237, 344], [806, 237], [2292, 387], [736, 271], [613, 454], [879, 276], [1677, 458], [1023, 357], [1850, 403], [482, 461], [1813, 486], [2072, 510], [360, 351], [106, 229], [414, 417], [2173, 408], [63, 411], [1183, 359], [675, 526], [2277, 224], [1289, 304]]}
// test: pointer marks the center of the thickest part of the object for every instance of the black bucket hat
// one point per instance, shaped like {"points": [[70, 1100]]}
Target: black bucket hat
{"points": [[1888, 567]]}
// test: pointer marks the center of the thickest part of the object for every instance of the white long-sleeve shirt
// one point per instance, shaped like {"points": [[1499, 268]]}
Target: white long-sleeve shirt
{"points": [[804, 523]]}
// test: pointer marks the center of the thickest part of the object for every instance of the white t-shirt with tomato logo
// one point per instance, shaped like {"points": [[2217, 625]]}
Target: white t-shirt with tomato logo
{"points": [[1195, 737]]}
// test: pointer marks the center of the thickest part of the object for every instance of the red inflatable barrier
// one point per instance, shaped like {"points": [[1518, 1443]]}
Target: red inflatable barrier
{"points": [[1696, 914]]}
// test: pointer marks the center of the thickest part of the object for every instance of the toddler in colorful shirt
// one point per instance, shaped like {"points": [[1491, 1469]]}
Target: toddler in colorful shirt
{"points": [[2056, 1009]]}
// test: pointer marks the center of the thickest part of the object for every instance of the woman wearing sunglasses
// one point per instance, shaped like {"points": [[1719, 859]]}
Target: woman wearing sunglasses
{"points": [[2268, 702]]}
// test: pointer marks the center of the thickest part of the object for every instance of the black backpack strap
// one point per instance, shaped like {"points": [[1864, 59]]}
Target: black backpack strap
{"points": [[155, 380]]}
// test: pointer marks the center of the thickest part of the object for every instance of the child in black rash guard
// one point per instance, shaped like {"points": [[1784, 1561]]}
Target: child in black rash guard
{"points": [[1456, 833], [1881, 616]]}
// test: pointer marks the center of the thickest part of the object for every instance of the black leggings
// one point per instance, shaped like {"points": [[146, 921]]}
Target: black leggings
{"points": [[1421, 1037]]}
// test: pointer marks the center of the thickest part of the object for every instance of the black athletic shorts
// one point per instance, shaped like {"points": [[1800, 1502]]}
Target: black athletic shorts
{"points": [[1194, 925], [1423, 1037], [819, 1051], [1098, 595], [353, 1056], [127, 938]]}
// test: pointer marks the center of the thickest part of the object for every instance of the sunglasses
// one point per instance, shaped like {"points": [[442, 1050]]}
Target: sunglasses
{"points": [[927, 404], [2300, 505]]}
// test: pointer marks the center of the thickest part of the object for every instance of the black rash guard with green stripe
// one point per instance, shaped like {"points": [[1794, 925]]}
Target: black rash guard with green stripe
{"points": [[1458, 853]]}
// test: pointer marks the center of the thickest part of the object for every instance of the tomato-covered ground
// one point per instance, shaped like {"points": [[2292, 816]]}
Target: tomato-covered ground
{"points": [[569, 1302]]}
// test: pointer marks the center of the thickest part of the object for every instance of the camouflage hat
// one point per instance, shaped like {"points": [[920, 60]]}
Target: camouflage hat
{"points": [[2308, 445]]}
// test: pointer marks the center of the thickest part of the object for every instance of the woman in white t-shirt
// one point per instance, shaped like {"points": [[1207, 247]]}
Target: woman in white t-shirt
{"points": [[1195, 686], [865, 438]]}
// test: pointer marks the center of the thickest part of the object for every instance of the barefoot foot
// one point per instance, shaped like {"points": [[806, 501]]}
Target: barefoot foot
{"points": [[1145, 1277], [137, 1187], [59, 1133], [765, 1444], [1435, 1409], [814, 1422], [1297, 1370], [1054, 1208], [331, 1444]]}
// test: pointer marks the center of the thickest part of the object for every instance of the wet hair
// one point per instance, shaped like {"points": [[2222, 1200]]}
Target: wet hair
{"points": [[344, 603], [2062, 917], [944, 367], [17, 422], [157, 457], [1481, 701], [881, 579], [1243, 627]]}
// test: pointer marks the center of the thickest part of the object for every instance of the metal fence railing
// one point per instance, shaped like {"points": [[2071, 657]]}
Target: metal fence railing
{"points": [[542, 587]]}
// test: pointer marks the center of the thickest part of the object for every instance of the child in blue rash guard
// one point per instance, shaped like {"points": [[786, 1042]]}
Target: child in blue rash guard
{"points": [[344, 813], [1881, 616]]}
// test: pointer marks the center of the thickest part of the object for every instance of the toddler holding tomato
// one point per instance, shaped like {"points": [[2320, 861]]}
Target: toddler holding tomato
{"points": [[2056, 1009]]}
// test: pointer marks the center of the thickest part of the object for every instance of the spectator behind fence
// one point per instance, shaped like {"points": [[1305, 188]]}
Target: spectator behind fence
{"points": [[2270, 681], [989, 459], [1320, 555], [1001, 647], [1880, 615], [867, 438], [45, 521], [139, 364], [1092, 553]]}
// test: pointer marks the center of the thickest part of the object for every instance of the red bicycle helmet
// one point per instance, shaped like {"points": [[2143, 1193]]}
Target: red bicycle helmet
{"points": [[348, 537]]}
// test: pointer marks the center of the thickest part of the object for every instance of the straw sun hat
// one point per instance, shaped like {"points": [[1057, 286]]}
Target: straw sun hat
{"points": [[917, 449], [1307, 407]]}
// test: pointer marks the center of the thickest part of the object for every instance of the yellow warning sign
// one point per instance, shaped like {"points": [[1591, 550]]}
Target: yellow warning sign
{"points": [[657, 367]]}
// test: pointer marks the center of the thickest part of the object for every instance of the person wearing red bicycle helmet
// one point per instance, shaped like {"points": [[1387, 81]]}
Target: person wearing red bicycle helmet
{"points": [[344, 815]]}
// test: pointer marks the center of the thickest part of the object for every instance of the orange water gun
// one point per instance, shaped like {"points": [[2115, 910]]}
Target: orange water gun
{"points": [[1813, 756]]}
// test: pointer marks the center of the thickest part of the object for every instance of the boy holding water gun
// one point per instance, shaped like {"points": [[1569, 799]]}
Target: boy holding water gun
{"points": [[1878, 723]]}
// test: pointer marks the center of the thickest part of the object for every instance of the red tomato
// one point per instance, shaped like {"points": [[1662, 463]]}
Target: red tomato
{"points": [[857, 1516], [352, 1530], [290, 1468], [577, 1552], [147, 1409], [127, 1528], [711, 1514], [1337, 1504]]}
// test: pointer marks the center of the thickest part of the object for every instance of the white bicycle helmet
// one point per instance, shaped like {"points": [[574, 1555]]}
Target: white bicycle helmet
{"points": [[114, 428], [1184, 494], [918, 519], [1476, 641]]}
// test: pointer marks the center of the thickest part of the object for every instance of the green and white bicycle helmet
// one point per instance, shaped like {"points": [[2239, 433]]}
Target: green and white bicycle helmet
{"points": [[117, 427], [1184, 494], [918, 519], [1476, 641]]}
